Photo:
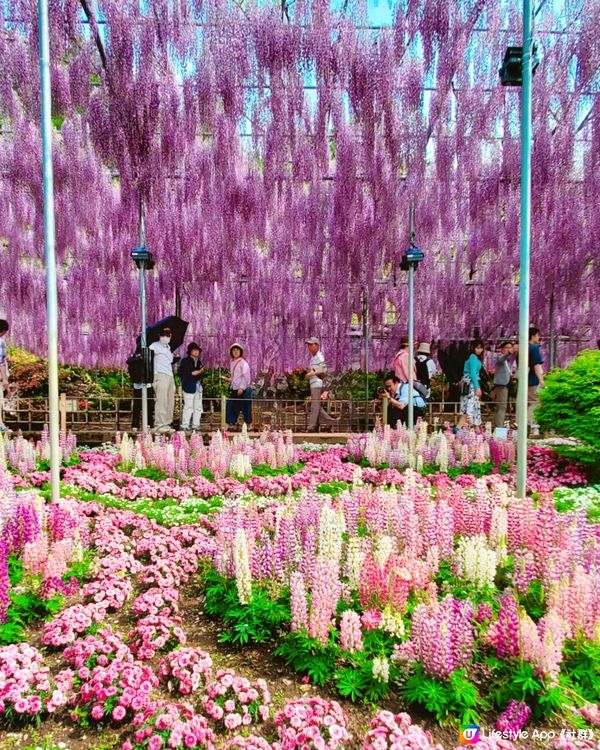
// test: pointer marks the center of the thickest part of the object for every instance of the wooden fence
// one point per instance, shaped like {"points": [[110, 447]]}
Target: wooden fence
{"points": [[97, 419]]}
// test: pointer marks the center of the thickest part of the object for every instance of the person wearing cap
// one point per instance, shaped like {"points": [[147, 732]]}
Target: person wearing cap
{"points": [[502, 377], [317, 369], [401, 362], [425, 366], [190, 372], [164, 382], [240, 395]]}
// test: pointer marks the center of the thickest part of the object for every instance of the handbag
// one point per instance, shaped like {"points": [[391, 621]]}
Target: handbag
{"points": [[465, 387]]}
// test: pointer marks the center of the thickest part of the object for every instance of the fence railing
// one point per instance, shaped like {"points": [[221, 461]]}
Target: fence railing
{"points": [[100, 417]]}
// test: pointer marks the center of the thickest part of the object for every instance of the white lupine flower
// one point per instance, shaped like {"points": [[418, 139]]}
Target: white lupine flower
{"points": [[243, 577], [354, 561], [392, 623], [475, 562], [381, 669], [442, 456], [384, 547], [499, 530], [331, 528]]}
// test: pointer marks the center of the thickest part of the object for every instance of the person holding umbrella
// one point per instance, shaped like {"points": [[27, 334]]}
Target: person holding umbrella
{"points": [[240, 396], [164, 382]]}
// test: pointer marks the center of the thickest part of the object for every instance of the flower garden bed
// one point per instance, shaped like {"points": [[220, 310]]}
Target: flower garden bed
{"points": [[254, 594]]}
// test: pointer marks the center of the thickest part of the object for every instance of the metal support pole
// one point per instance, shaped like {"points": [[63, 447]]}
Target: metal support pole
{"points": [[177, 302], [142, 265], [366, 359], [552, 347], [411, 321], [49, 249], [525, 250]]}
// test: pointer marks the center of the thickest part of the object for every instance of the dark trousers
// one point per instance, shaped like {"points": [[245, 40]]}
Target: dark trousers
{"points": [[396, 415], [136, 415], [237, 404]]}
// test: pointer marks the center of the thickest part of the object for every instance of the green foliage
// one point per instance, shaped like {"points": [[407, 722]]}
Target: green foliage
{"points": [[333, 488], [308, 656], [264, 470], [570, 404], [81, 569], [151, 472], [15, 569], [25, 608], [259, 621], [518, 680], [455, 700], [581, 666], [533, 600], [167, 512]]}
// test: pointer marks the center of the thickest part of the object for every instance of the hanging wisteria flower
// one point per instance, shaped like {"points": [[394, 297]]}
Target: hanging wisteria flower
{"points": [[185, 670], [311, 723], [235, 701]]}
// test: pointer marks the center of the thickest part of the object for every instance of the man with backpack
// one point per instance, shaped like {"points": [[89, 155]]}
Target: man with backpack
{"points": [[396, 393], [425, 366]]}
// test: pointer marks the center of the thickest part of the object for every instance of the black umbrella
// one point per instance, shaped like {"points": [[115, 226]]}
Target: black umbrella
{"points": [[178, 328]]}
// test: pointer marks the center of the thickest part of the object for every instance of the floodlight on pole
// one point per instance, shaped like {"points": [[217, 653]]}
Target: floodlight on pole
{"points": [[144, 261], [49, 249], [517, 70], [410, 261]]}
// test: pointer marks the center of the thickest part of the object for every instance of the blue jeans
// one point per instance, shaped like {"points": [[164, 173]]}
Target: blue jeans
{"points": [[237, 404]]}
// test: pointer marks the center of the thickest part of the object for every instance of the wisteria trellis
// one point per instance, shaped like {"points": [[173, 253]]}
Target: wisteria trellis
{"points": [[276, 149]]}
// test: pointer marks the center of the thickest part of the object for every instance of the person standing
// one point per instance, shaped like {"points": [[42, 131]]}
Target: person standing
{"points": [[470, 405], [3, 372], [317, 370], [240, 394], [402, 361], [425, 366], [535, 378], [502, 375], [190, 372], [164, 382], [397, 396]]}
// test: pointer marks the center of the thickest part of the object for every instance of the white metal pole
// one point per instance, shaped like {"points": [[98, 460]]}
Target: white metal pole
{"points": [[411, 322], [142, 226], [49, 249], [524, 250], [411, 344]]}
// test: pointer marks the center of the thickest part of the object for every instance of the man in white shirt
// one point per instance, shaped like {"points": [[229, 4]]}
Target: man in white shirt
{"points": [[164, 382], [317, 371]]}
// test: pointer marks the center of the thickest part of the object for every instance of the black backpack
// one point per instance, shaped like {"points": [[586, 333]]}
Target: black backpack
{"points": [[422, 372]]}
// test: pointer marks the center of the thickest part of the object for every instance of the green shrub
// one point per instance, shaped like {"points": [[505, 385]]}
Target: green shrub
{"points": [[570, 405]]}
